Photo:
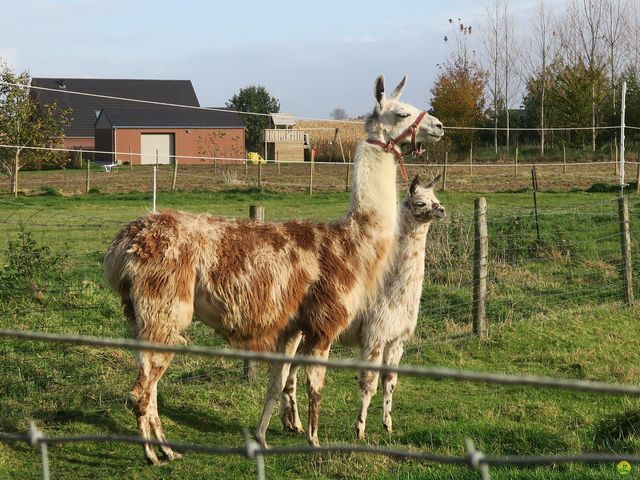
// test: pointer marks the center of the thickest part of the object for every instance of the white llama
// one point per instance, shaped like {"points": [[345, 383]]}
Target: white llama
{"points": [[264, 285], [381, 329]]}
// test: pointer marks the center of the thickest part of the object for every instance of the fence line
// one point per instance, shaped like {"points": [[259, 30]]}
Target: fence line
{"points": [[347, 121], [241, 161], [474, 458], [414, 371]]}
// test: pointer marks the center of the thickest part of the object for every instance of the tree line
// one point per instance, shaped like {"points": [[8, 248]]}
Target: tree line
{"points": [[564, 68]]}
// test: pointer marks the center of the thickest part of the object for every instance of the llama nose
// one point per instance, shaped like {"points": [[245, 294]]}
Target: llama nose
{"points": [[438, 125]]}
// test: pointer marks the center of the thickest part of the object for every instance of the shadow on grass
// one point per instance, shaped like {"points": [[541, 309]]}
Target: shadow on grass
{"points": [[619, 432], [203, 421], [490, 439]]}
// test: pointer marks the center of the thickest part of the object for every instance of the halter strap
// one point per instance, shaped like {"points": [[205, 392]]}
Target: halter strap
{"points": [[390, 146]]}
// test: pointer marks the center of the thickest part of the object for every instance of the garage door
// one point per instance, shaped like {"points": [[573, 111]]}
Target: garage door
{"points": [[160, 145]]}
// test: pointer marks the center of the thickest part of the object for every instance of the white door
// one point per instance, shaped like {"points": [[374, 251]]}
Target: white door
{"points": [[156, 145]]}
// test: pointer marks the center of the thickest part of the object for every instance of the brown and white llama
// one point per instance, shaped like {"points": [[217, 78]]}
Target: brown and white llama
{"points": [[263, 285], [381, 329]]}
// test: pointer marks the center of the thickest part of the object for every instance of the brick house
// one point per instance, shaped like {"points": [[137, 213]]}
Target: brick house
{"points": [[132, 125], [152, 135]]}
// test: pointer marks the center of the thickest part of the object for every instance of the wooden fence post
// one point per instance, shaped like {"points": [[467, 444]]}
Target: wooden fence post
{"points": [[88, 179], [638, 175], [625, 249], [175, 174], [480, 261], [444, 171], [346, 182], [250, 368], [311, 173], [260, 174]]}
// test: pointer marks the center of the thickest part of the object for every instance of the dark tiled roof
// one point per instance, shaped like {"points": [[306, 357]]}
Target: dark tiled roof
{"points": [[167, 117], [85, 107]]}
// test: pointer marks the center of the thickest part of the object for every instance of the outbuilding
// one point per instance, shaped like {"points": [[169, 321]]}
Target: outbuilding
{"points": [[160, 135]]}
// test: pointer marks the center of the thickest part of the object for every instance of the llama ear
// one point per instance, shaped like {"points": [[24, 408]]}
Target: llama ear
{"points": [[414, 184], [432, 183], [378, 90], [399, 89]]}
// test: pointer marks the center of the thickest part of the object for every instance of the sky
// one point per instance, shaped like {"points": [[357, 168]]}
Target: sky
{"points": [[312, 57]]}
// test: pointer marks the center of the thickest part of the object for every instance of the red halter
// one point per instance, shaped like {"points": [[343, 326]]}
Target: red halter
{"points": [[390, 146]]}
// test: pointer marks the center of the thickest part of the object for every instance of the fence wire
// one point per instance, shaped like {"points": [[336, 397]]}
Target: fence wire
{"points": [[474, 458]]}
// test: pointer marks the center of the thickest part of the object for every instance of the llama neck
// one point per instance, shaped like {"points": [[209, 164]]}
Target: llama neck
{"points": [[410, 243], [374, 185]]}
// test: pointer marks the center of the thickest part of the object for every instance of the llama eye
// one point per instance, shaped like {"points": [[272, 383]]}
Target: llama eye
{"points": [[420, 204], [403, 115]]}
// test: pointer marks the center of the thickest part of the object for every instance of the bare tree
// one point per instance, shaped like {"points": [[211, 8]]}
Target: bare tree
{"points": [[490, 37], [582, 37], [616, 12], [632, 26], [510, 56], [339, 114], [543, 50]]}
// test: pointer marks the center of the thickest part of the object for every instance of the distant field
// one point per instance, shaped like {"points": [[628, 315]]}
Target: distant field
{"points": [[295, 177], [555, 308]]}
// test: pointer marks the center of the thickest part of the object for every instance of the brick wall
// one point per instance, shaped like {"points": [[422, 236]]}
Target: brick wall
{"points": [[189, 142]]}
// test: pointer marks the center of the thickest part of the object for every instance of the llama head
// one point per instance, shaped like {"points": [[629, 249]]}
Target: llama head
{"points": [[421, 203], [391, 117]]}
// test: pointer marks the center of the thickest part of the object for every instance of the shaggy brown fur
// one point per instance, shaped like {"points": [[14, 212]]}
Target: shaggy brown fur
{"points": [[260, 285]]}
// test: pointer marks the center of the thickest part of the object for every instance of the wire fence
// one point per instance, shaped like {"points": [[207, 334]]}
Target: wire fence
{"points": [[575, 261], [474, 458]]}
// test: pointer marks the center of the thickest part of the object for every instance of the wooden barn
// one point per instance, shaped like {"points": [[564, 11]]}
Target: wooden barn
{"points": [[283, 142]]}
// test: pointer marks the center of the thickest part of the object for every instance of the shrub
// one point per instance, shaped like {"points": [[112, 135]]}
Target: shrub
{"points": [[27, 268]]}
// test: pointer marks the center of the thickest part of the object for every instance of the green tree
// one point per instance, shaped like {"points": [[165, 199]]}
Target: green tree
{"points": [[24, 124], [578, 97], [254, 99], [458, 97]]}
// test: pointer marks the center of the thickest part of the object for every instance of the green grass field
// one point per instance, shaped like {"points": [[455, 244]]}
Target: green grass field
{"points": [[555, 308]]}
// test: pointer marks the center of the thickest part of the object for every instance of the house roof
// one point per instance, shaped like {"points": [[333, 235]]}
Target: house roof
{"points": [[283, 119], [85, 108], [166, 117]]}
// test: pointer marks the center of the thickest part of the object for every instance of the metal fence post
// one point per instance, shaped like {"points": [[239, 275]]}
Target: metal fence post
{"points": [[175, 173], [625, 249], [252, 450], [37, 439], [480, 260], [88, 179]]}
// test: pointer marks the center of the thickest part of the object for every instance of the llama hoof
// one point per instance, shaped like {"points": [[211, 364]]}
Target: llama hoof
{"points": [[314, 442], [293, 429], [388, 427], [359, 434], [262, 442], [153, 461], [171, 456]]}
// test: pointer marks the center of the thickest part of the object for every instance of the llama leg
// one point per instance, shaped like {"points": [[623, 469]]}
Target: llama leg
{"points": [[277, 375], [368, 383], [289, 404], [144, 398], [392, 356], [160, 328], [315, 385], [156, 424]]}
